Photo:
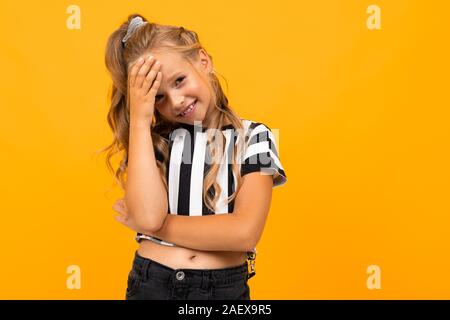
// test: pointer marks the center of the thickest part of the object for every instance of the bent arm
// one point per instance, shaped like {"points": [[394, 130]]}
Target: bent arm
{"points": [[145, 195], [237, 231], [224, 232]]}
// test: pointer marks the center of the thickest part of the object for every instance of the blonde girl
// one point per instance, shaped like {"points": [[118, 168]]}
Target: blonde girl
{"points": [[197, 178]]}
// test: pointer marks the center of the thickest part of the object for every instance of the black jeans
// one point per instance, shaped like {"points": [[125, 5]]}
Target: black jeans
{"points": [[150, 280]]}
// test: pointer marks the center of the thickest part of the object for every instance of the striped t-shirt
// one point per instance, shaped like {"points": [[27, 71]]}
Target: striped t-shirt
{"points": [[190, 160]]}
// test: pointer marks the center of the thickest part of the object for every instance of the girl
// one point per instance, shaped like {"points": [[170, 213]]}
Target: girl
{"points": [[199, 179]]}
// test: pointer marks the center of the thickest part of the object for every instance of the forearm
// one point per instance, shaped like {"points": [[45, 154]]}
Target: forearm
{"points": [[145, 195], [219, 232]]}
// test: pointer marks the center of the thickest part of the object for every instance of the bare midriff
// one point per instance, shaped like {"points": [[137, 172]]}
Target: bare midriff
{"points": [[184, 258]]}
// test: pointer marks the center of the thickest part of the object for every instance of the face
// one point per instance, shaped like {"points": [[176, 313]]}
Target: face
{"points": [[181, 86]]}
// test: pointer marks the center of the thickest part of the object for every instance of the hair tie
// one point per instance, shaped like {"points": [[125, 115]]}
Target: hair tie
{"points": [[133, 25]]}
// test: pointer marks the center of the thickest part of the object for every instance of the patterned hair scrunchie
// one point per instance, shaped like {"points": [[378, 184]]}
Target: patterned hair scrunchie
{"points": [[133, 25]]}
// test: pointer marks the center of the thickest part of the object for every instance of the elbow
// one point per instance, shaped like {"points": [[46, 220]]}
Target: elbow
{"points": [[249, 239], [248, 233], [150, 222], [149, 219], [149, 225], [155, 227], [250, 245]]}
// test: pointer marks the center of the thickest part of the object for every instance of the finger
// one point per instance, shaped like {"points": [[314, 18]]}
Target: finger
{"points": [[134, 69], [155, 86], [148, 82], [121, 203], [119, 219], [124, 216], [120, 210], [143, 71]]}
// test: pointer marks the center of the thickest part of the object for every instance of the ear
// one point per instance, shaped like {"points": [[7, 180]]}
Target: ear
{"points": [[205, 61]]}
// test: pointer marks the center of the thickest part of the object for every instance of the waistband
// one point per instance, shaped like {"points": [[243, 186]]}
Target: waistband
{"points": [[150, 268]]}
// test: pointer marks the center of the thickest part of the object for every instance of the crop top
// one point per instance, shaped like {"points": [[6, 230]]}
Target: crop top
{"points": [[190, 160]]}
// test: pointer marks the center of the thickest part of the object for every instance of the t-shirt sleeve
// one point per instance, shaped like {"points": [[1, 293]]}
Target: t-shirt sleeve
{"points": [[261, 155]]}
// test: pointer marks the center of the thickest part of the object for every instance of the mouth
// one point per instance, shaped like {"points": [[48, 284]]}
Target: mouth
{"points": [[188, 110]]}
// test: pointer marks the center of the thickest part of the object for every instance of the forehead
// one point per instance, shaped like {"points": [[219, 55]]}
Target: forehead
{"points": [[171, 63]]}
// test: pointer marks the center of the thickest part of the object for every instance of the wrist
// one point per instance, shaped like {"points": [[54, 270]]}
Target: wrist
{"points": [[140, 123]]}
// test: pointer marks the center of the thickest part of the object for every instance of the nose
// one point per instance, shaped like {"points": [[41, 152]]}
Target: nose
{"points": [[181, 102], [178, 104]]}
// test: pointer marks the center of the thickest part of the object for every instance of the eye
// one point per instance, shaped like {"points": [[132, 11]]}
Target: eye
{"points": [[182, 78], [160, 95]]}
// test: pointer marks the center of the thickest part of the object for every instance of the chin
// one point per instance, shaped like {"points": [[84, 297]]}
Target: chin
{"points": [[199, 118]]}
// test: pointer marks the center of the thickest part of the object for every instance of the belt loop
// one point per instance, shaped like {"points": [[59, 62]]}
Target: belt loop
{"points": [[145, 269], [205, 279]]}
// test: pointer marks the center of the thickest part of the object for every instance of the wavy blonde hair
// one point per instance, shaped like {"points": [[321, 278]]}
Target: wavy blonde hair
{"points": [[165, 38]]}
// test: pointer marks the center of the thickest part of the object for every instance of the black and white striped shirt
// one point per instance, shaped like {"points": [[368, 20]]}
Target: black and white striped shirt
{"points": [[190, 160]]}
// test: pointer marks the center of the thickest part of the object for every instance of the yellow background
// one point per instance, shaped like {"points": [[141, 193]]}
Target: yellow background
{"points": [[363, 124]]}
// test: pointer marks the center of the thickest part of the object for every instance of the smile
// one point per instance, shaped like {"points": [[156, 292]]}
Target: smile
{"points": [[189, 110]]}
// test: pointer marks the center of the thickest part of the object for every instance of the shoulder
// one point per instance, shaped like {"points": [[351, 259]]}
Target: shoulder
{"points": [[252, 127], [254, 123]]}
